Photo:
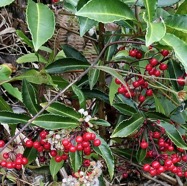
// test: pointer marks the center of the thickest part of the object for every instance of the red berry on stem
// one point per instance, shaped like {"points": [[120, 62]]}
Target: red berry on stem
{"points": [[24, 160], [138, 55], [136, 84], [86, 163], [146, 167], [6, 155], [181, 81], [79, 147], [65, 142], [133, 53], [29, 143], [79, 139], [87, 136], [117, 81], [72, 149], [153, 61], [149, 67], [149, 92], [97, 142], [36, 144], [53, 153], [58, 158], [2, 143], [163, 66], [155, 164], [144, 144], [64, 157], [141, 98], [164, 52], [157, 73], [125, 175]]}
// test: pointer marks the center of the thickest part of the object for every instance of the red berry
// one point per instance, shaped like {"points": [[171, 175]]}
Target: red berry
{"points": [[53, 153], [86, 163], [161, 169], [9, 165], [152, 71], [163, 66], [29, 143], [64, 157], [146, 167], [149, 92], [155, 164], [65, 142], [170, 148], [93, 136], [6, 155], [181, 81], [143, 144], [3, 163], [47, 146], [24, 161], [18, 161], [87, 150], [87, 136], [157, 73], [164, 52], [36, 144], [133, 53], [79, 139], [141, 98], [72, 149], [40, 149], [138, 55], [58, 158], [168, 162], [2, 143], [184, 158], [55, 1], [125, 175], [117, 81], [185, 174], [153, 172], [43, 134], [79, 147], [18, 166], [136, 84], [97, 142], [121, 90], [149, 67], [156, 135], [153, 61]]}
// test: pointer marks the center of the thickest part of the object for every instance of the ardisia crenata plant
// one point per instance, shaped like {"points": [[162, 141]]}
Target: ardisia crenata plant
{"points": [[123, 114]]}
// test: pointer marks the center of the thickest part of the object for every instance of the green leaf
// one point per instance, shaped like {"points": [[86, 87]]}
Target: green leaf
{"points": [[13, 118], [59, 81], [41, 22], [179, 46], [66, 64], [24, 38], [3, 105], [105, 151], [71, 52], [55, 167], [161, 3], [36, 77], [29, 98], [158, 105], [31, 154], [106, 11], [75, 160], [93, 77], [141, 154], [62, 110], [182, 8], [86, 24], [174, 69], [113, 89], [54, 122], [32, 57], [78, 92], [124, 108], [177, 22], [101, 122], [12, 91], [127, 127], [152, 34], [174, 135], [5, 2], [150, 9]]}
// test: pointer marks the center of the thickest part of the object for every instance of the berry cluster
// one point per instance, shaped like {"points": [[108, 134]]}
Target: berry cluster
{"points": [[136, 86], [13, 161], [60, 152]]}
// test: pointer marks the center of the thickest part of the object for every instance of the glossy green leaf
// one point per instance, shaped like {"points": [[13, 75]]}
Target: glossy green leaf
{"points": [[65, 65], [127, 127], [62, 110], [93, 77], [106, 11], [31, 154], [157, 116], [152, 34], [177, 22], [179, 46], [13, 118], [150, 9], [158, 105], [29, 98], [86, 24], [54, 122], [12, 91], [141, 154], [182, 9], [41, 22], [161, 3], [75, 160], [71, 52], [59, 81], [113, 89], [174, 69], [124, 108], [24, 38], [4, 105], [54, 167], [32, 57], [101, 122], [105, 151], [78, 92], [5, 2], [174, 135]]}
